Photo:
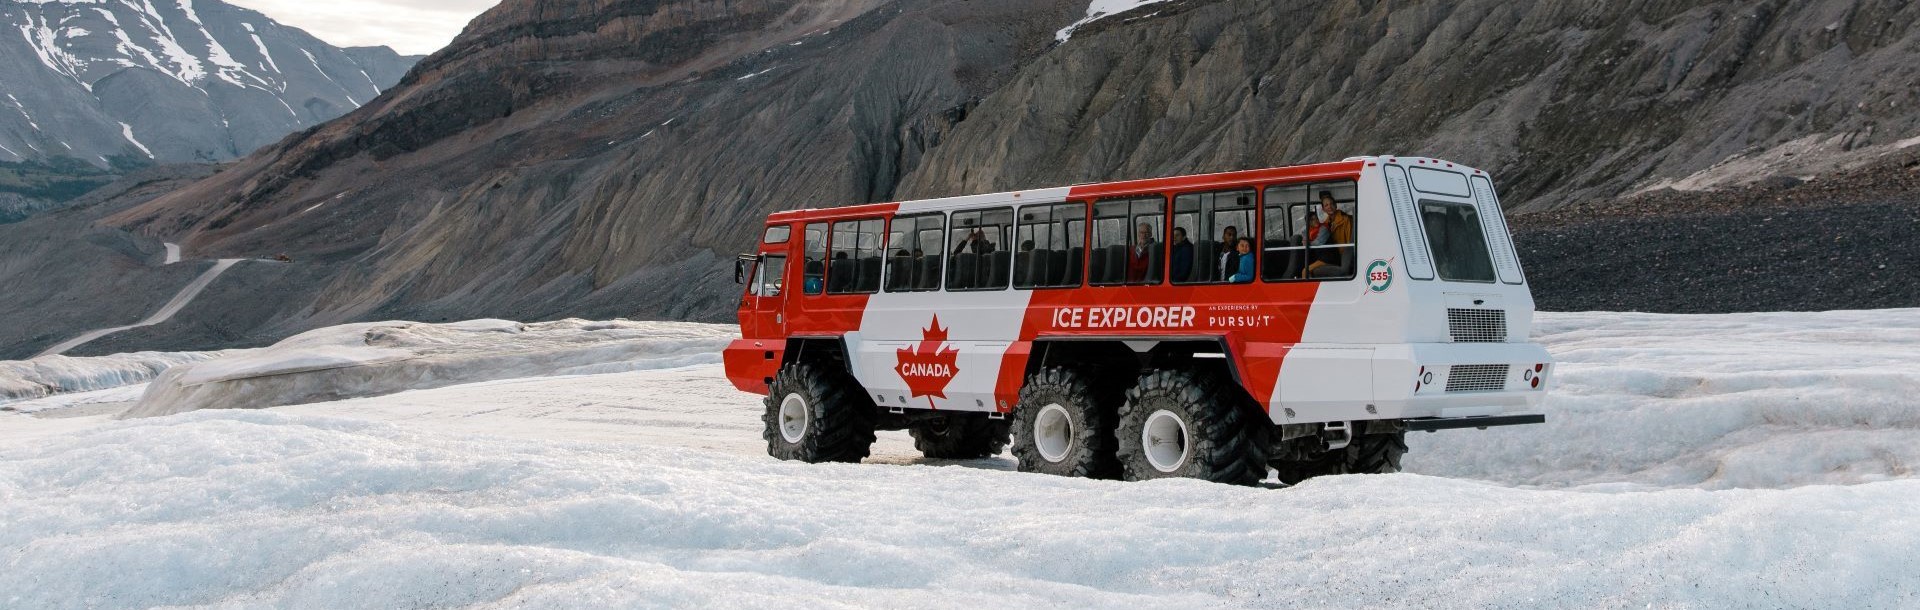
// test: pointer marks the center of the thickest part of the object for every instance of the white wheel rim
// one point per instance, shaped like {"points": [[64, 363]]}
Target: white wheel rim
{"points": [[793, 418], [1053, 432], [1165, 441]]}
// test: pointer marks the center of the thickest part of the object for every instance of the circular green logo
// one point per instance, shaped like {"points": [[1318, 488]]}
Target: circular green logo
{"points": [[1379, 276]]}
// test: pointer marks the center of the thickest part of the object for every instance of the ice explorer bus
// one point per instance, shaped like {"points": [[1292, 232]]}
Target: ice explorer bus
{"points": [[1301, 319]]}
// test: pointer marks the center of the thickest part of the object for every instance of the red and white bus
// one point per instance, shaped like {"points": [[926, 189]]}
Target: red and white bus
{"points": [[1213, 326]]}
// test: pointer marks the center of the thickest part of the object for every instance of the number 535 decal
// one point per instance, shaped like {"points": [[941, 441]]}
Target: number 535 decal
{"points": [[1379, 275]]}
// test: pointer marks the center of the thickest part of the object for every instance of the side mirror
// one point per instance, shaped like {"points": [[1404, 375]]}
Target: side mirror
{"points": [[740, 267]]}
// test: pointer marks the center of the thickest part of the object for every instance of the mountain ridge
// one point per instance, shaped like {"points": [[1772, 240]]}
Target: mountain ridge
{"points": [[131, 83]]}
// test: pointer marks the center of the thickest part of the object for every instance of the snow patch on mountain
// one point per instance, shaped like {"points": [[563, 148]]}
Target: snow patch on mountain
{"points": [[46, 44], [127, 131], [82, 70], [1102, 9]]}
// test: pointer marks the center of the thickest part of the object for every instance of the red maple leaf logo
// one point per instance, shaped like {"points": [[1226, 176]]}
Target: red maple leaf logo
{"points": [[928, 367]]}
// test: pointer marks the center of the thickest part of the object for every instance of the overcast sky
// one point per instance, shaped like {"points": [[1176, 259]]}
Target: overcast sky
{"points": [[413, 27]]}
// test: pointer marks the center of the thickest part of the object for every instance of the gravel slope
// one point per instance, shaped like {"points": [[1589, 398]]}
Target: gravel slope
{"points": [[1845, 241]]}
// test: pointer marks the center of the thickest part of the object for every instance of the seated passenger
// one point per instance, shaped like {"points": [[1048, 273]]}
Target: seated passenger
{"points": [[976, 243], [1339, 228], [1316, 233], [1182, 256], [816, 273], [1341, 223], [1244, 274], [1230, 259], [1140, 258], [1026, 246]]}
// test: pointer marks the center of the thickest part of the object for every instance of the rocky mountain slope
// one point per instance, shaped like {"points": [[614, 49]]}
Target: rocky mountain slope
{"points": [[572, 157], [132, 82]]}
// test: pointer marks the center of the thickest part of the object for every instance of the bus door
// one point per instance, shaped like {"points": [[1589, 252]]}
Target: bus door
{"points": [[766, 299]]}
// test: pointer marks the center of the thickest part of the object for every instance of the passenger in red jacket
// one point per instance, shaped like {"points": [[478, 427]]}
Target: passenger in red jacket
{"points": [[1139, 259]]}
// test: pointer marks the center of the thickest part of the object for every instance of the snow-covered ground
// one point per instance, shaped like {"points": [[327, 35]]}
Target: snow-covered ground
{"points": [[49, 375], [1759, 460], [377, 358]]}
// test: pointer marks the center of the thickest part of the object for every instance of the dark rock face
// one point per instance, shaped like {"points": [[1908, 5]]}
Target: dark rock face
{"points": [[604, 157], [1562, 101], [189, 80]]}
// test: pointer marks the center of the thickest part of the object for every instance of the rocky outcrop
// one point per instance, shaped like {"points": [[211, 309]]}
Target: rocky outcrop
{"points": [[1564, 101], [133, 83]]}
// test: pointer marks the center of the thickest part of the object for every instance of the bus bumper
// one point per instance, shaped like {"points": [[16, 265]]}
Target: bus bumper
{"points": [[751, 363], [1430, 424], [1459, 380], [1413, 381]]}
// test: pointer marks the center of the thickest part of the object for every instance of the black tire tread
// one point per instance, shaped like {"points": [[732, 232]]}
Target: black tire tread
{"points": [[964, 437], [1367, 454], [1068, 387], [1229, 445], [840, 428], [1375, 454]]}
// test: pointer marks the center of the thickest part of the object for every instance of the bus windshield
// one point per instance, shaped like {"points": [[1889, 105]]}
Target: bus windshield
{"points": [[1459, 245]]}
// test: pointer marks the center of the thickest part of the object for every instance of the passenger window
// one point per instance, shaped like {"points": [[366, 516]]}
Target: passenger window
{"points": [[814, 268], [1126, 241], [855, 266], [979, 258], [1052, 245], [1207, 231], [778, 234], [1306, 238], [914, 246]]}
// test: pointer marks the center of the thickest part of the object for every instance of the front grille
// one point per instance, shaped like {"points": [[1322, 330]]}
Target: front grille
{"points": [[1477, 325], [1477, 378]]}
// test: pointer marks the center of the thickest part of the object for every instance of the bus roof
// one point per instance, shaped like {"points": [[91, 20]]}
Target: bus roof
{"points": [[1319, 171]]}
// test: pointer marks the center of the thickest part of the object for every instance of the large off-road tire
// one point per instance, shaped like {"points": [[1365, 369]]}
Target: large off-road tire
{"points": [[1375, 454], [1367, 454], [960, 437], [1194, 425], [817, 414], [1061, 428]]}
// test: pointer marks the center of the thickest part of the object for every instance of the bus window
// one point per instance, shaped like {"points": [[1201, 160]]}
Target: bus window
{"points": [[768, 283], [1302, 240], [1459, 245], [1210, 224], [855, 266], [814, 268], [1126, 241], [777, 234], [979, 257], [1052, 244], [914, 249]]}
